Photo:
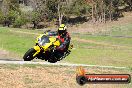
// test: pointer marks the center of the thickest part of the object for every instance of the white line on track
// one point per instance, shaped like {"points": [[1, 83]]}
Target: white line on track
{"points": [[58, 64]]}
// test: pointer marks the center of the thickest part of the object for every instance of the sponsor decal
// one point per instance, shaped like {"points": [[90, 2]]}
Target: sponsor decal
{"points": [[83, 78]]}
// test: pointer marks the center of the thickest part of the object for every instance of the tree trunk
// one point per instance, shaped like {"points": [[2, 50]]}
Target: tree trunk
{"points": [[130, 4], [102, 12], [110, 11], [59, 14], [92, 11], [104, 16]]}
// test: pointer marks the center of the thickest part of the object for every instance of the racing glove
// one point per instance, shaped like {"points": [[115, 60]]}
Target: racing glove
{"points": [[61, 47]]}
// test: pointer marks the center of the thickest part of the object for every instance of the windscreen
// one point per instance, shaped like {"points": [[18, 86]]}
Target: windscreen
{"points": [[44, 39]]}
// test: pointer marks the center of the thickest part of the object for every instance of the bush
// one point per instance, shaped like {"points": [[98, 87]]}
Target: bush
{"points": [[1, 17], [10, 18], [20, 21], [35, 16]]}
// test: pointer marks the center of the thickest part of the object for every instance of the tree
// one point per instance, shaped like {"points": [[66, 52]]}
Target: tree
{"points": [[10, 9], [129, 3], [62, 8], [1, 17], [79, 7]]}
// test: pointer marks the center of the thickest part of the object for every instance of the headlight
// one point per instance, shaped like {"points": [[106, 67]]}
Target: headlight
{"points": [[39, 41]]}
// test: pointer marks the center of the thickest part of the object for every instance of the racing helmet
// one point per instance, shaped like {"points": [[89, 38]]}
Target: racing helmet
{"points": [[62, 29]]}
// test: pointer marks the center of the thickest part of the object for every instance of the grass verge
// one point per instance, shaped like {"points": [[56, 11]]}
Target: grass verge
{"points": [[83, 52], [40, 76]]}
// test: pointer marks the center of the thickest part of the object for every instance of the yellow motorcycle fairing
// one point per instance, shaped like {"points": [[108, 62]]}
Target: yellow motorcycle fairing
{"points": [[37, 48], [53, 41]]}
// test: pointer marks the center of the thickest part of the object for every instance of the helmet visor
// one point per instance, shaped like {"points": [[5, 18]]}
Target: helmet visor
{"points": [[61, 28]]}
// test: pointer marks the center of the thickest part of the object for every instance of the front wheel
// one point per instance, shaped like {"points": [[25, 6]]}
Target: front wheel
{"points": [[29, 54]]}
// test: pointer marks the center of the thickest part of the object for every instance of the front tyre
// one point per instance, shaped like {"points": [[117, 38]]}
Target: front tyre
{"points": [[29, 54]]}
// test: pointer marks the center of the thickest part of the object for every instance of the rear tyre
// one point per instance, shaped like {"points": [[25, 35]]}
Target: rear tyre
{"points": [[52, 60], [29, 54]]}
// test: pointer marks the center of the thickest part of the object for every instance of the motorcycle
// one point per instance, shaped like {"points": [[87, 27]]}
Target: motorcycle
{"points": [[45, 49]]}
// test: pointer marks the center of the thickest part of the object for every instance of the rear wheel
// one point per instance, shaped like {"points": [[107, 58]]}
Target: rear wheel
{"points": [[52, 60], [29, 54]]}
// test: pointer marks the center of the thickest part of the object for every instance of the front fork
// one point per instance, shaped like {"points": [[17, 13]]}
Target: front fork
{"points": [[38, 49]]}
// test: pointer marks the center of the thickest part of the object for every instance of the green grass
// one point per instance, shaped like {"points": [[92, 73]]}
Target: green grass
{"points": [[84, 53], [109, 39], [104, 55], [22, 30], [15, 42], [112, 35], [101, 57], [122, 30]]}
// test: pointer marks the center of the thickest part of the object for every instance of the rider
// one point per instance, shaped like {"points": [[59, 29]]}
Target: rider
{"points": [[64, 37]]}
